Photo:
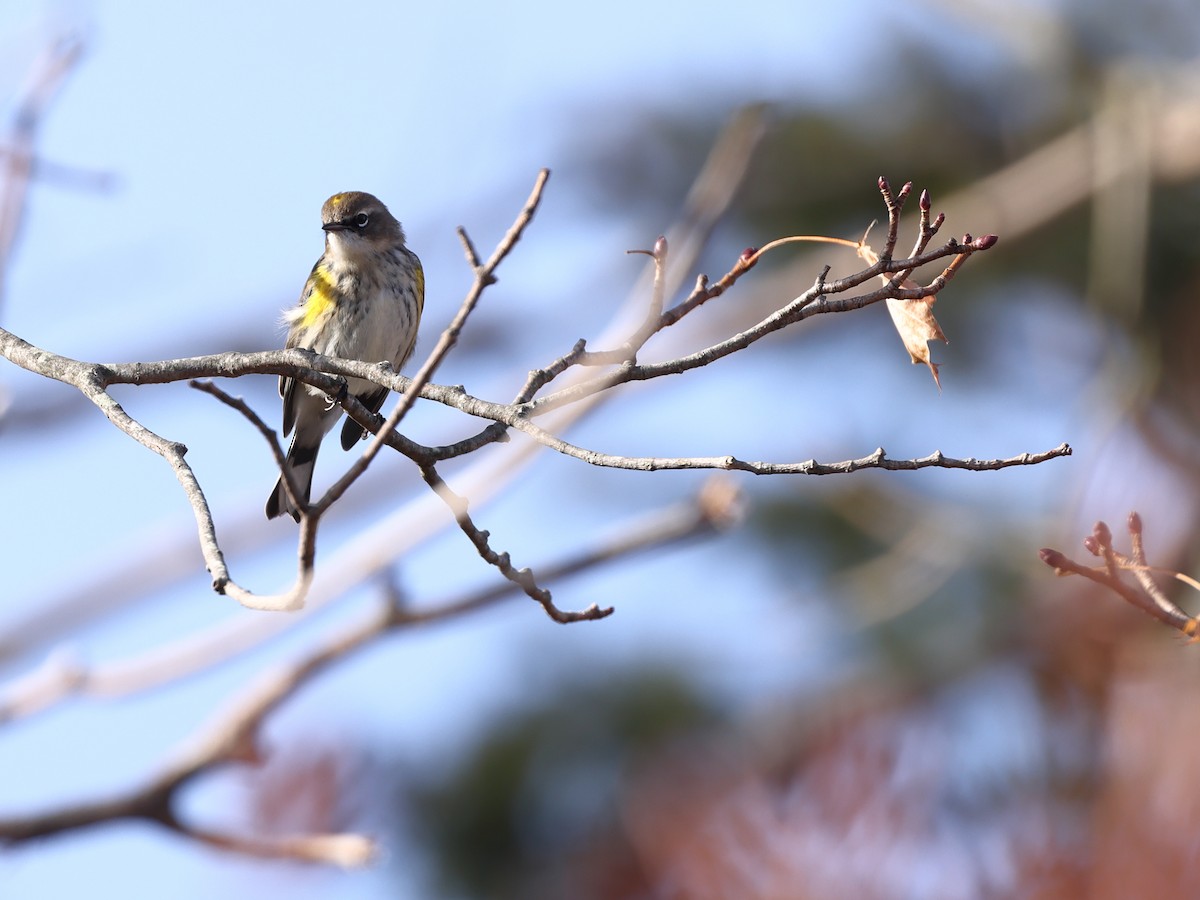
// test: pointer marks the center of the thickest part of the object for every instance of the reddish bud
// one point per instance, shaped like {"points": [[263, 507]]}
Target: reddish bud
{"points": [[1052, 557], [924, 200], [1091, 545], [907, 189], [883, 184], [1135, 523], [748, 252], [1103, 534], [660, 246], [986, 242], [967, 239], [938, 220]]}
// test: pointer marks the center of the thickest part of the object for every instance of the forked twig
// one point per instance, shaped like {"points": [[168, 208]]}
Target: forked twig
{"points": [[1146, 595]]}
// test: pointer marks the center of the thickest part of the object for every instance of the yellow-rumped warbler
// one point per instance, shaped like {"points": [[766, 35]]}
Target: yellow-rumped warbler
{"points": [[363, 300]]}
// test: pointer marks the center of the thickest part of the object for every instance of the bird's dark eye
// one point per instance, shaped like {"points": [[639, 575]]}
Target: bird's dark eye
{"points": [[361, 220]]}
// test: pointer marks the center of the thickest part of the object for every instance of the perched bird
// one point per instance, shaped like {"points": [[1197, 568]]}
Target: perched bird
{"points": [[363, 300]]}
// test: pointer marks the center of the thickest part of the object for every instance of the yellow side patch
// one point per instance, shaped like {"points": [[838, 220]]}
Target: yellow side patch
{"points": [[419, 277], [321, 300]]}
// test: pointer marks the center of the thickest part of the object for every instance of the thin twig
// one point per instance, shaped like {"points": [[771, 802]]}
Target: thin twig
{"points": [[877, 460], [49, 76], [523, 578], [267, 432], [815, 301], [1150, 599]]}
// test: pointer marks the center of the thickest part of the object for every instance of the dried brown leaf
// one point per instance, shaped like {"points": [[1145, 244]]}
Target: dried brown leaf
{"points": [[913, 319]]}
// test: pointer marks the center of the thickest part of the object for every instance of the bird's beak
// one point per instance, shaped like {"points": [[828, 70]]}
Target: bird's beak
{"points": [[334, 226]]}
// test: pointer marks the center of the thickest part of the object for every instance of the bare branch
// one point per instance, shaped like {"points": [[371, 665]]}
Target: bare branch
{"points": [[347, 851], [92, 380], [51, 72], [814, 301], [523, 578], [1150, 599], [233, 736], [703, 291], [268, 433], [876, 460], [895, 205], [468, 247], [652, 322], [375, 548]]}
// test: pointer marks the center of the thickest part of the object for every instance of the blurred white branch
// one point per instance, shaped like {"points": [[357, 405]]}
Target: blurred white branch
{"points": [[233, 736]]}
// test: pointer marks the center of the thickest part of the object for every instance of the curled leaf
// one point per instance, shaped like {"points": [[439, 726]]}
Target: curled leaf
{"points": [[913, 319]]}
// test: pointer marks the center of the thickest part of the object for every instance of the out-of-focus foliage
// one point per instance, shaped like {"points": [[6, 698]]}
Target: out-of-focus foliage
{"points": [[996, 739], [534, 811]]}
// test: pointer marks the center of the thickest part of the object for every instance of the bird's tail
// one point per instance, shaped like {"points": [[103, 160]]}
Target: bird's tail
{"points": [[301, 460]]}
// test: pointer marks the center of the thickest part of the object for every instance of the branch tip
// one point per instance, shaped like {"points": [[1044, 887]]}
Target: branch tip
{"points": [[468, 247], [1144, 594], [1053, 558]]}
